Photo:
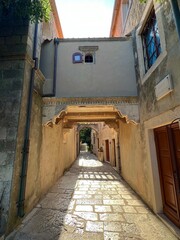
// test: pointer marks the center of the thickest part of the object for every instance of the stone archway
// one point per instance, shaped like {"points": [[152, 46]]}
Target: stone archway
{"points": [[75, 117]]}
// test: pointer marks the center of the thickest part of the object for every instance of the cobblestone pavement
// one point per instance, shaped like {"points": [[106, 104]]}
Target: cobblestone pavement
{"points": [[91, 201]]}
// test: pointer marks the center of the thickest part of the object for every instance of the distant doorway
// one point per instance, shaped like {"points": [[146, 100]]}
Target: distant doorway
{"points": [[114, 151], [85, 137], [107, 150]]}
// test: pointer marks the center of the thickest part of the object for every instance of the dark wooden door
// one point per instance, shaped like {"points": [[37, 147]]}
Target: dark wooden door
{"points": [[175, 140], [107, 150], [165, 145], [114, 151]]}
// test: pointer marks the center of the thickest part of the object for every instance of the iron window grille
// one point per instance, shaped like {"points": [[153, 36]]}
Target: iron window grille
{"points": [[151, 41]]}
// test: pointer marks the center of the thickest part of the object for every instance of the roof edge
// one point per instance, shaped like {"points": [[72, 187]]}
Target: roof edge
{"points": [[56, 18]]}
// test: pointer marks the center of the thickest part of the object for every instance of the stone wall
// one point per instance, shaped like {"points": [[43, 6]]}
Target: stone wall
{"points": [[13, 38], [168, 64], [11, 85], [139, 159], [16, 43], [149, 105], [134, 16], [16, 68]]}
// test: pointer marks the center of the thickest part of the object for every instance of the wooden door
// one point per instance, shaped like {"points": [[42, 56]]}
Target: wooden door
{"points": [[114, 151], [175, 140], [167, 171], [107, 150]]}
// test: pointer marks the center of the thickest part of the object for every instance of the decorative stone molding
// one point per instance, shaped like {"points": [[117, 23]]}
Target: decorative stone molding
{"points": [[91, 101], [91, 49], [113, 124]]}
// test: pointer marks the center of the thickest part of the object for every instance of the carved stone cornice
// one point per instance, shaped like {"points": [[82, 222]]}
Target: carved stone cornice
{"points": [[88, 48], [91, 101]]}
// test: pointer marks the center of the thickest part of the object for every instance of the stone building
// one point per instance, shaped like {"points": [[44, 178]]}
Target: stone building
{"points": [[155, 27], [21, 85], [126, 87]]}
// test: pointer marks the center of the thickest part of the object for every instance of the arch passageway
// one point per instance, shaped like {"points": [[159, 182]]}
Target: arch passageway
{"points": [[91, 201]]}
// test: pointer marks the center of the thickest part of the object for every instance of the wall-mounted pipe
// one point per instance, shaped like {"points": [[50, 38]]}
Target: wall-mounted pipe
{"points": [[53, 94], [176, 12], [25, 150]]}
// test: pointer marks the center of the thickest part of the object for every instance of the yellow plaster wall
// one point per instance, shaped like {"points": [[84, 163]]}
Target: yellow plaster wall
{"points": [[33, 176], [135, 167], [57, 154]]}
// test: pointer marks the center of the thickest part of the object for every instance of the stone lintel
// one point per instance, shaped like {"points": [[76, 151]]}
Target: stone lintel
{"points": [[91, 100], [88, 48]]}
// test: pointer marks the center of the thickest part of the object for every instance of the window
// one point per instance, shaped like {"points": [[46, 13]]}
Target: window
{"points": [[88, 58], [77, 57], [151, 41]]}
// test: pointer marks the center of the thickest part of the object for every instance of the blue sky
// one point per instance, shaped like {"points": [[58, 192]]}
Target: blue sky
{"points": [[85, 18]]}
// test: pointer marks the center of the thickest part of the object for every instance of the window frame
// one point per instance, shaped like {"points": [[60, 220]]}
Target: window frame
{"points": [[89, 55], [151, 43], [139, 55], [74, 57]]}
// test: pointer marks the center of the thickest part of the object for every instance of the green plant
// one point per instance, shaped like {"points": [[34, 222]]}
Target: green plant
{"points": [[34, 10], [85, 135]]}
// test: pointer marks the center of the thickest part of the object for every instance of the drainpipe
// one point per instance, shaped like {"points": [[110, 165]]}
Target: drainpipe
{"points": [[176, 11], [25, 151], [53, 94]]}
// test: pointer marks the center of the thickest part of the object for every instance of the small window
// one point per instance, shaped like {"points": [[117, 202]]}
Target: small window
{"points": [[151, 41], [88, 58], [77, 57]]}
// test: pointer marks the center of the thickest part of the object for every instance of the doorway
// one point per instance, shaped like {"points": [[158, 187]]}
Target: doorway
{"points": [[114, 151], [167, 139], [107, 150]]}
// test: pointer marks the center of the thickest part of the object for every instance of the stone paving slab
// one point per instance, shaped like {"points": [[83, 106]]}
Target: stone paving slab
{"points": [[91, 202]]}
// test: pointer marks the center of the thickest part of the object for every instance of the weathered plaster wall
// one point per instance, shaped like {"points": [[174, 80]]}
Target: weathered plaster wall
{"points": [[108, 133], [57, 154], [134, 16], [51, 166], [135, 168], [167, 63], [34, 149], [107, 76], [149, 106], [105, 133], [94, 142], [33, 174], [139, 161]]}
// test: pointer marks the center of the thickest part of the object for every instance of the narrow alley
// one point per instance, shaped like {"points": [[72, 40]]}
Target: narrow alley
{"points": [[91, 201]]}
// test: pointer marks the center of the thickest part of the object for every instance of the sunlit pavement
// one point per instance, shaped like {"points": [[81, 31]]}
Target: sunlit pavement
{"points": [[91, 201]]}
